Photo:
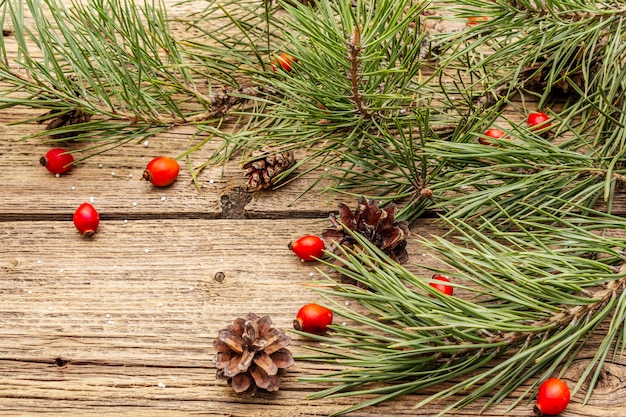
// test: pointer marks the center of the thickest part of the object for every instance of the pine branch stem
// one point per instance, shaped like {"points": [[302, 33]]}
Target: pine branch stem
{"points": [[571, 316], [221, 102], [546, 327], [354, 50]]}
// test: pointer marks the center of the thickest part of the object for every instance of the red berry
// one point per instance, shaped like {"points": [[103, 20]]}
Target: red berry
{"points": [[161, 171], [552, 398], [313, 318], [57, 161], [474, 20], [285, 61], [86, 219], [307, 247], [538, 120], [491, 133], [446, 289]]}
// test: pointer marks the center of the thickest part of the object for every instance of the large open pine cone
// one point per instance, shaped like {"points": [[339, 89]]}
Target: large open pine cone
{"points": [[375, 224], [265, 164], [251, 354]]}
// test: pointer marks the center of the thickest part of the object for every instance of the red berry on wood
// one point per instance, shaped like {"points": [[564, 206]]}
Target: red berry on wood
{"points": [[538, 120], [284, 61], [552, 397], [491, 133], [86, 219], [57, 161], [446, 289], [307, 247], [313, 318], [161, 171]]}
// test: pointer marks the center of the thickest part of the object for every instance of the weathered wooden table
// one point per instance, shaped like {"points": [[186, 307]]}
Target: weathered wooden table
{"points": [[123, 323]]}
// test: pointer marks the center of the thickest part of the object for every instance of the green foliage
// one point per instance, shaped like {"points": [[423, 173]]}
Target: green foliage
{"points": [[115, 62], [357, 77], [526, 301]]}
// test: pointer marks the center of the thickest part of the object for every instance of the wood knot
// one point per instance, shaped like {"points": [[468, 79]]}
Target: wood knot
{"points": [[610, 386], [234, 203], [220, 276], [60, 362]]}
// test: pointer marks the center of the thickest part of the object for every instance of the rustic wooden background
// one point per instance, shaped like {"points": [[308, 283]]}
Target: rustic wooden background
{"points": [[123, 323]]}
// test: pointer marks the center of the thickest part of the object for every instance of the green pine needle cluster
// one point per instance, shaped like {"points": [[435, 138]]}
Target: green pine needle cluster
{"points": [[531, 297], [388, 99]]}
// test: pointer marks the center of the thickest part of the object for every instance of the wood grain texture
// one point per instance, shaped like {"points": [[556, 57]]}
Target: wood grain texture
{"points": [[123, 323]]}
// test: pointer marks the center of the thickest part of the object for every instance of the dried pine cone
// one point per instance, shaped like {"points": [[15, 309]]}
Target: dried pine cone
{"points": [[66, 119], [375, 224], [251, 354], [265, 164]]}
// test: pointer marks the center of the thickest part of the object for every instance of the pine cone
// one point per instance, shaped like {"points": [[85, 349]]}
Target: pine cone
{"points": [[65, 119], [375, 224], [265, 164], [251, 354]]}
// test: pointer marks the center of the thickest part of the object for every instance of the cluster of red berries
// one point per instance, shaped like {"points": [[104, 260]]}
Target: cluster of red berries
{"points": [[161, 172], [310, 247], [311, 318], [535, 121], [314, 318], [552, 397]]}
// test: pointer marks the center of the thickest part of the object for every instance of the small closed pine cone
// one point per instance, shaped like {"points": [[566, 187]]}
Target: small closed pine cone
{"points": [[251, 354], [68, 118], [265, 164], [375, 224]]}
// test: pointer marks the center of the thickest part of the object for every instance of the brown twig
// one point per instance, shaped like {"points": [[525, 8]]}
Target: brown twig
{"points": [[220, 104], [354, 49]]}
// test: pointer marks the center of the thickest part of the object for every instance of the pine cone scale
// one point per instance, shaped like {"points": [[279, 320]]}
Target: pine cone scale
{"points": [[282, 358], [274, 383], [276, 343], [260, 377], [233, 341], [232, 368], [222, 359], [242, 383], [265, 362], [246, 359], [346, 216]]}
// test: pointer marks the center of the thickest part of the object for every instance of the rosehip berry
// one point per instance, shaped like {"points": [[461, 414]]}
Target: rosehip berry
{"points": [[491, 133], [307, 247], [552, 397], [57, 161], [161, 171], [285, 61], [446, 289], [538, 120], [474, 20], [313, 318], [86, 219]]}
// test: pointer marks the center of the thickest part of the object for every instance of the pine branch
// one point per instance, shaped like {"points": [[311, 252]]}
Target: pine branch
{"points": [[356, 71], [532, 308], [110, 71]]}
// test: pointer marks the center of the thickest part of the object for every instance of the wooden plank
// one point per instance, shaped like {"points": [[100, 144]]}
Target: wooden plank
{"points": [[113, 181], [123, 322]]}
